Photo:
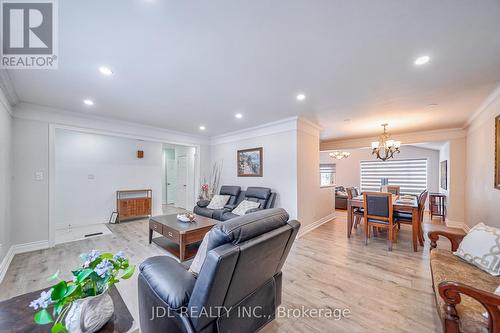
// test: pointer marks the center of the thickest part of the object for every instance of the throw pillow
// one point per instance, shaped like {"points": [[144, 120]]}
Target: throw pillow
{"points": [[244, 206], [200, 256], [481, 247], [218, 201]]}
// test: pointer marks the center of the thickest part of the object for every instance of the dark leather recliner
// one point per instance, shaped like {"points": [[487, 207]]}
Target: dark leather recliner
{"points": [[201, 206], [262, 195], [241, 272]]}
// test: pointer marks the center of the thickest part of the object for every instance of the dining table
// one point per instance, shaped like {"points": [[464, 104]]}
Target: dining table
{"points": [[399, 205]]}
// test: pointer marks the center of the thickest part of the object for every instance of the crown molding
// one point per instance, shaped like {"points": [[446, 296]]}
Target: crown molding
{"points": [[405, 138], [9, 98], [92, 122], [275, 127], [487, 108]]}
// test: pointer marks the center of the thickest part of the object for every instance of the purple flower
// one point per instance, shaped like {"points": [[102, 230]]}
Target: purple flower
{"points": [[44, 301], [89, 257], [119, 256], [103, 268]]}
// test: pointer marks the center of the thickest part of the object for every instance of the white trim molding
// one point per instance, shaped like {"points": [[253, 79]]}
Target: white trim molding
{"points": [[18, 249], [314, 225]]}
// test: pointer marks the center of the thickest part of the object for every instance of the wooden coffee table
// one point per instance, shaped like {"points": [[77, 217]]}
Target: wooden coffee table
{"points": [[17, 316], [179, 238]]}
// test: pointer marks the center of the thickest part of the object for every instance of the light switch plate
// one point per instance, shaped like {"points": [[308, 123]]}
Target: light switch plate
{"points": [[39, 176]]}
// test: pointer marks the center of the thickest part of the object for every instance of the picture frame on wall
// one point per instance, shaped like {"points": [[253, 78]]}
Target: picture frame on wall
{"points": [[444, 175], [497, 152], [250, 162]]}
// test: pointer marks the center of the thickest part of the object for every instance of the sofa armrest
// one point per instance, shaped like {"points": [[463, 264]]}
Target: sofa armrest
{"points": [[450, 293], [454, 237], [203, 203], [253, 210], [229, 207]]}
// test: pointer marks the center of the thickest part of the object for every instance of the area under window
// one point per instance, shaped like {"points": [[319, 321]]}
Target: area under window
{"points": [[327, 174], [410, 174]]}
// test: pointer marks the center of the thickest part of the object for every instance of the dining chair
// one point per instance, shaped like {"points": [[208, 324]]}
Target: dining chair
{"points": [[406, 218], [379, 213], [352, 192], [394, 189]]}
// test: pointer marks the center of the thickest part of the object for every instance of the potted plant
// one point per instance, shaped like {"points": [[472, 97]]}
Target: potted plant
{"points": [[83, 304]]}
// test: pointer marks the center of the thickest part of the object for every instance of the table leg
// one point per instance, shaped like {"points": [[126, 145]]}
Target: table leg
{"points": [[349, 218], [415, 221], [182, 249], [150, 235]]}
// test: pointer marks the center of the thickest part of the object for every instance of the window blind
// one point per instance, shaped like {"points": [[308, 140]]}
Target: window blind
{"points": [[410, 174], [327, 167]]}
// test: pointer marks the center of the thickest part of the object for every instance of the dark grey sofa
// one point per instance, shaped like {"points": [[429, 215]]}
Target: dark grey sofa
{"points": [[263, 195], [242, 270]]}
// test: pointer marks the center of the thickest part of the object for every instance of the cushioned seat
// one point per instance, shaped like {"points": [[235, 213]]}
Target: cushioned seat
{"points": [[448, 267], [169, 280], [204, 211], [228, 215], [403, 216]]}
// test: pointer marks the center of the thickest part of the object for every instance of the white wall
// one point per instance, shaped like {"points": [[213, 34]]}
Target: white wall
{"points": [[279, 166], [481, 198], [90, 168], [30, 203], [444, 155], [348, 169], [5, 176], [316, 205]]}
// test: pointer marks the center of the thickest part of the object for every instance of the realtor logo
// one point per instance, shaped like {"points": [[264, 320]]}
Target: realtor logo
{"points": [[29, 34]]}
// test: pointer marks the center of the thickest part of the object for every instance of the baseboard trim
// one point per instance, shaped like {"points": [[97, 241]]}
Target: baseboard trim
{"points": [[6, 262], [18, 249], [455, 224], [316, 224]]}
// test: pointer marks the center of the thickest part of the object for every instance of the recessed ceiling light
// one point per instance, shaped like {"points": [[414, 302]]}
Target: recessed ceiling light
{"points": [[422, 60], [238, 116], [301, 97], [105, 71], [88, 102], [202, 128]]}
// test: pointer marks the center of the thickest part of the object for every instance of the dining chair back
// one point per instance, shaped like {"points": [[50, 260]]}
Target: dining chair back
{"points": [[378, 212], [352, 192], [394, 189]]}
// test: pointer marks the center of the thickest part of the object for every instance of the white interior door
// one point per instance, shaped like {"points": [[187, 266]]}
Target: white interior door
{"points": [[171, 181], [181, 196]]}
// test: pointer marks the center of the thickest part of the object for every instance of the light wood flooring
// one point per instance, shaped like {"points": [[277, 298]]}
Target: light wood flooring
{"points": [[384, 291]]}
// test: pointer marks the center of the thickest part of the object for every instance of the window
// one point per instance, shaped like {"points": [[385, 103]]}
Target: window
{"points": [[327, 174], [411, 175]]}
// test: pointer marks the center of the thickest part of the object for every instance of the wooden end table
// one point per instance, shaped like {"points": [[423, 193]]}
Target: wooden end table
{"points": [[17, 316], [179, 238]]}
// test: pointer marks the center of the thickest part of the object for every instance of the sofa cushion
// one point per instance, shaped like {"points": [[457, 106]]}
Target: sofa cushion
{"points": [[203, 211], [258, 192], [245, 206], [230, 190], [480, 247], [228, 215], [448, 267], [171, 281], [218, 201]]}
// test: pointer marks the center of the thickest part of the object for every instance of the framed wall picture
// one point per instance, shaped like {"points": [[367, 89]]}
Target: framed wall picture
{"points": [[444, 175], [497, 152], [249, 162]]}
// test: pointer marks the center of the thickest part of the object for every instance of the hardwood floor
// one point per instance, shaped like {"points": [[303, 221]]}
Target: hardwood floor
{"points": [[384, 291]]}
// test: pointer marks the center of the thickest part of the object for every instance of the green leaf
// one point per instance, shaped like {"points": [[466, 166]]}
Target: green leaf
{"points": [[57, 328], [43, 317], [106, 255], [54, 276], [72, 289], [59, 291], [128, 272], [84, 274]]}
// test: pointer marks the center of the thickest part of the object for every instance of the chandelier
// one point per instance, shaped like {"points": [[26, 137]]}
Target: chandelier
{"points": [[339, 154], [385, 147]]}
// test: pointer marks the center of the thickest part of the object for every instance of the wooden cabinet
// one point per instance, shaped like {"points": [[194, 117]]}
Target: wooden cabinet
{"points": [[131, 204]]}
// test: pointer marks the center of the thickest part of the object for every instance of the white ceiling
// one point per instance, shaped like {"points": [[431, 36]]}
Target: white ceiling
{"points": [[182, 64]]}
